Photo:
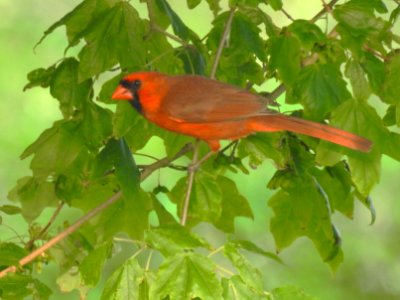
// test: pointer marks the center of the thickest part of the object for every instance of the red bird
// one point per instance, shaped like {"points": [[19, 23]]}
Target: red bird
{"points": [[212, 111]]}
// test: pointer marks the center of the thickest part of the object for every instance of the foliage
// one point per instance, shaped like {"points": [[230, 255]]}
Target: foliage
{"points": [[85, 158]]}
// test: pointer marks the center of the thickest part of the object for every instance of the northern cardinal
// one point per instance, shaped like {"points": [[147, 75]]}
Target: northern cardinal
{"points": [[212, 111]]}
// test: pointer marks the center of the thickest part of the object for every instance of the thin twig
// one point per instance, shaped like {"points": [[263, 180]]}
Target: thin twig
{"points": [[287, 15], [164, 162], [29, 244], [191, 172], [222, 42]]}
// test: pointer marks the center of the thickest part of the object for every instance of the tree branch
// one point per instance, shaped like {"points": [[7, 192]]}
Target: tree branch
{"points": [[114, 198], [222, 42]]}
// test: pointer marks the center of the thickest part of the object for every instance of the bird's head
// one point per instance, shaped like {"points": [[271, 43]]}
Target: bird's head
{"points": [[140, 89]]}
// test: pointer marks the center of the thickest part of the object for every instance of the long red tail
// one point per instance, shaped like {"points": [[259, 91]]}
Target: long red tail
{"points": [[271, 123]]}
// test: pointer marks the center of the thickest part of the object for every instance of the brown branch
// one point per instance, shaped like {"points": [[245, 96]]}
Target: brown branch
{"points": [[222, 42], [62, 235], [191, 172]]}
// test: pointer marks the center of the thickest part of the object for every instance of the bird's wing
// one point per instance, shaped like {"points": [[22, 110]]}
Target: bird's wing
{"points": [[198, 99]]}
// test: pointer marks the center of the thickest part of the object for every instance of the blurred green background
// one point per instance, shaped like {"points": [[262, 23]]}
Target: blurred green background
{"points": [[371, 269]]}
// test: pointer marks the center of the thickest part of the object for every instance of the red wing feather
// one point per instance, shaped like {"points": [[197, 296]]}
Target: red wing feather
{"points": [[196, 99]]}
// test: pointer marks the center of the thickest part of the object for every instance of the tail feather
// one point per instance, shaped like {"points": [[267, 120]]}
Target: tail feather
{"points": [[272, 123]]}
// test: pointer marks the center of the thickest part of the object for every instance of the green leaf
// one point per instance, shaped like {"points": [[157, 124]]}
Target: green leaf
{"points": [[39, 77], [34, 196], [392, 145], [290, 293], [179, 28], [275, 4], [10, 254], [250, 275], [92, 266], [233, 205], [16, 286], [120, 23], [280, 49], [164, 217], [170, 240], [359, 83], [336, 182], [360, 118], [214, 6], [79, 18], [391, 85], [251, 247], [72, 280], [65, 88], [320, 88], [192, 3], [307, 33], [234, 288], [10, 209], [358, 17], [186, 276], [302, 208], [262, 146], [375, 70], [124, 282], [206, 198], [59, 149], [132, 126]]}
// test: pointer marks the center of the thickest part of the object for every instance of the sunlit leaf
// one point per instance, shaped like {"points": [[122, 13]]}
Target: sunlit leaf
{"points": [[186, 276]]}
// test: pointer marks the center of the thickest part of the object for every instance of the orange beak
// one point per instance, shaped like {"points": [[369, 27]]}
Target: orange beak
{"points": [[121, 93]]}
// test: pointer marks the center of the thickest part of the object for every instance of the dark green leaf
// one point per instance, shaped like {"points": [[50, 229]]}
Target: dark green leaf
{"points": [[302, 208], [186, 276], [164, 217], [180, 29], [40, 77], [392, 145], [280, 49], [375, 70], [233, 205], [320, 88], [170, 240], [250, 275], [124, 282]]}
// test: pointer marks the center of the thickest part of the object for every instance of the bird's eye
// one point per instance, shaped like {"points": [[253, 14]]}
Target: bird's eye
{"points": [[137, 83]]}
